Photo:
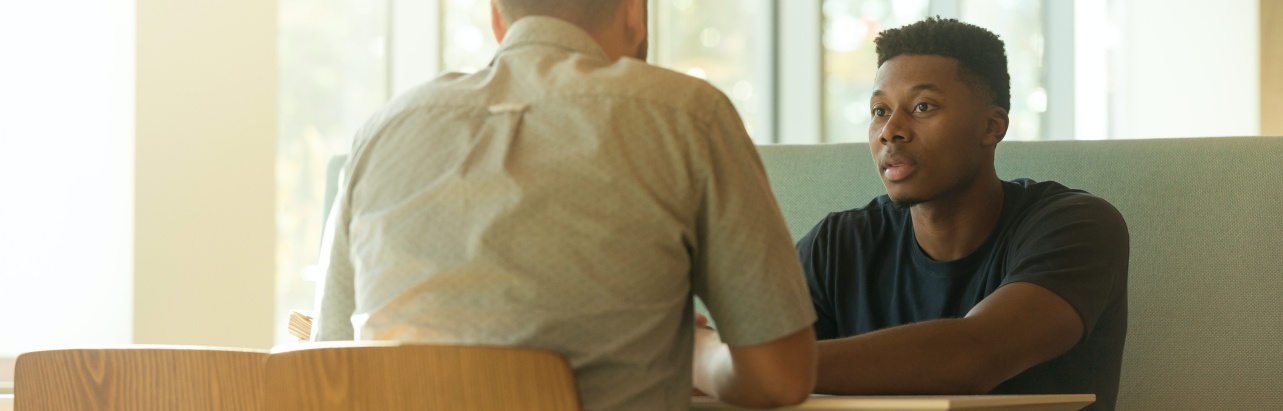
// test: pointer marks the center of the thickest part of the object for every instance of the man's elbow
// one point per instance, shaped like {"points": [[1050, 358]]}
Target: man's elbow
{"points": [[985, 374], [798, 384], [973, 387], [774, 392], [780, 373], [795, 384], [792, 394]]}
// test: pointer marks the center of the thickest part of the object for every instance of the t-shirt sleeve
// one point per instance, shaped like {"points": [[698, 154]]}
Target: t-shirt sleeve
{"points": [[813, 251], [745, 268], [1077, 246]]}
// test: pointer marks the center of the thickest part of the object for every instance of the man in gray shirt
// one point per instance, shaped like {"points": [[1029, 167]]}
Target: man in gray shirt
{"points": [[573, 198]]}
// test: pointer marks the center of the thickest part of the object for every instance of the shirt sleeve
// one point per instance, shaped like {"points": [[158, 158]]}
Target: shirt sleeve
{"points": [[1078, 247], [745, 268], [338, 295], [813, 251]]}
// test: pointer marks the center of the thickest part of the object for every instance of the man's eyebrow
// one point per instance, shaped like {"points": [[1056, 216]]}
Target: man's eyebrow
{"points": [[915, 89], [928, 86]]}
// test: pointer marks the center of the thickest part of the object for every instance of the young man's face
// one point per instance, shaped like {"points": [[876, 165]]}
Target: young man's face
{"points": [[930, 136]]}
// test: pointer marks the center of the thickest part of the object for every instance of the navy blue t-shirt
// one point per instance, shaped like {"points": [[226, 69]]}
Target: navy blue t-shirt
{"points": [[866, 272]]}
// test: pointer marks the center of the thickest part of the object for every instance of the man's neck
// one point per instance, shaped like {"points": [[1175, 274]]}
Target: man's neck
{"points": [[612, 44], [615, 41], [951, 228]]}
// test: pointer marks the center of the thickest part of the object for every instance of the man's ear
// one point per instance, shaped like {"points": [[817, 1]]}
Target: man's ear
{"points": [[635, 19], [496, 22], [996, 126]]}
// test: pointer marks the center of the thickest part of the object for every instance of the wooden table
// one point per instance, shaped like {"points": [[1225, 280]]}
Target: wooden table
{"points": [[1069, 402]]}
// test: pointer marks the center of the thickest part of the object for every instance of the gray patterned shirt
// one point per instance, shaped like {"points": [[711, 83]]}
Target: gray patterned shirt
{"points": [[560, 200]]}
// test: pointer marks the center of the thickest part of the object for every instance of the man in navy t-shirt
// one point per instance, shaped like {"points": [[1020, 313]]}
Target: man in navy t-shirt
{"points": [[955, 281]]}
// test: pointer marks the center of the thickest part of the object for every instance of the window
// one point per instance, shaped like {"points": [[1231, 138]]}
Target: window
{"points": [[470, 42], [728, 43], [850, 26], [850, 60], [333, 76]]}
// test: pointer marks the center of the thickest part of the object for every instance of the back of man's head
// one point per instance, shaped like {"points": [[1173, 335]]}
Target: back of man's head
{"points": [[982, 59], [588, 14]]}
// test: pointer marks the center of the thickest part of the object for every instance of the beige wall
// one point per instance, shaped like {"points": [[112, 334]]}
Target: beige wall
{"points": [[1272, 67], [6, 369], [204, 172]]}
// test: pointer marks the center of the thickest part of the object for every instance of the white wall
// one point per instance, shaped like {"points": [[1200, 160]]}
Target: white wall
{"points": [[137, 172], [1186, 68], [66, 175], [205, 172]]}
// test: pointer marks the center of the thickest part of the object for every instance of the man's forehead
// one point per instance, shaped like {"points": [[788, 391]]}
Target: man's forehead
{"points": [[911, 70]]}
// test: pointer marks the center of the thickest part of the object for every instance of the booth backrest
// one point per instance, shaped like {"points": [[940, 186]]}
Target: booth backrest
{"points": [[1205, 217]]}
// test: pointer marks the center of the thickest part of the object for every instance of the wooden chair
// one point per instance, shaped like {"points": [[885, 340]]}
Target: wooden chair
{"points": [[391, 376], [140, 378]]}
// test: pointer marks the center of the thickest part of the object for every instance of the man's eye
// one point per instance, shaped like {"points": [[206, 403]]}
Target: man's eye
{"points": [[879, 112], [922, 107]]}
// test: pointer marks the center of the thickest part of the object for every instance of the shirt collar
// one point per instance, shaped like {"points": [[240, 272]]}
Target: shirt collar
{"points": [[550, 31]]}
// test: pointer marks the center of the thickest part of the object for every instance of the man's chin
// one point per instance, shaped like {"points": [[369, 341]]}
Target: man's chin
{"points": [[904, 203]]}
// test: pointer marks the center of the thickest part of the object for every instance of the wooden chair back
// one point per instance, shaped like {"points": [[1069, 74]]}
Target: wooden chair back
{"points": [[390, 376], [140, 378]]}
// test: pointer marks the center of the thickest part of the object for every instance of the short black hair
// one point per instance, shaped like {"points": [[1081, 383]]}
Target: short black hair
{"points": [[981, 56]]}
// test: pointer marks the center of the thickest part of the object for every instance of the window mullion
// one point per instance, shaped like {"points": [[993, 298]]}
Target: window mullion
{"points": [[799, 72]]}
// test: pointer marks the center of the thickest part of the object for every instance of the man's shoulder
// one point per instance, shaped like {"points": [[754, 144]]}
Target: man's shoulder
{"points": [[1052, 195], [639, 80], [571, 79], [1049, 204], [445, 89], [879, 215]]}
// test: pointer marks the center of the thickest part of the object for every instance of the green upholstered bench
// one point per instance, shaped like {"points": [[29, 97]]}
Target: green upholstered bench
{"points": [[1206, 278]]}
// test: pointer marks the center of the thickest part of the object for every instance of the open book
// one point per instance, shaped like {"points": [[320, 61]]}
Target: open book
{"points": [[300, 324]]}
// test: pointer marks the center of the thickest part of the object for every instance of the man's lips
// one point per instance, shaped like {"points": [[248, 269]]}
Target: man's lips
{"points": [[896, 167]]}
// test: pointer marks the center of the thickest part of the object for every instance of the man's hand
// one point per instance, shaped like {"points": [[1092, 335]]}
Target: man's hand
{"points": [[701, 321]]}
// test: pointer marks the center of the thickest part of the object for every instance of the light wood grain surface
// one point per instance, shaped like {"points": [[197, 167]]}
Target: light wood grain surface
{"points": [[140, 378], [926, 403], [393, 377]]}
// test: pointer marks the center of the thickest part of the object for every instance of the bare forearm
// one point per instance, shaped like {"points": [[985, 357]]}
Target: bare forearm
{"points": [[715, 375], [933, 357], [1017, 327], [773, 374]]}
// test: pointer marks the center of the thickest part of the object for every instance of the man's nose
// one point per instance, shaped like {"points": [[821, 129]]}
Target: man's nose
{"points": [[896, 129]]}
